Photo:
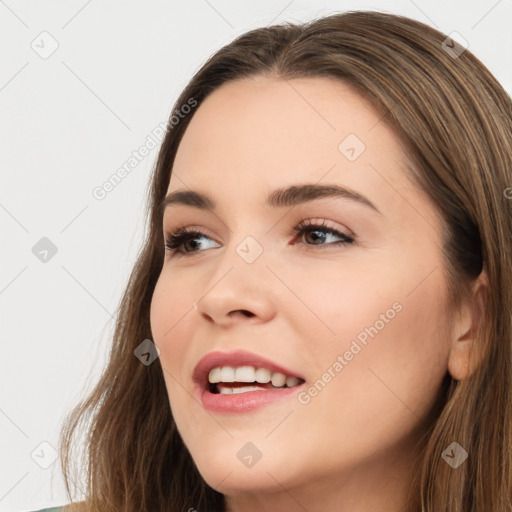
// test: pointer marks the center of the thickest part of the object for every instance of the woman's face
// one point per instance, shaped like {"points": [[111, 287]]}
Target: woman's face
{"points": [[355, 307]]}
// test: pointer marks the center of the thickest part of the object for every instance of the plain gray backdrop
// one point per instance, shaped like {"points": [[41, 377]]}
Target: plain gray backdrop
{"points": [[82, 86]]}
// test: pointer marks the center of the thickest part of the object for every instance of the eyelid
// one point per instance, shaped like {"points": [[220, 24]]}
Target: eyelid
{"points": [[181, 232], [174, 239], [302, 221], [326, 224]]}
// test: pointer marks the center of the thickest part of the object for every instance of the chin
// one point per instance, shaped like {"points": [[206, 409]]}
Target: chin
{"points": [[228, 468]]}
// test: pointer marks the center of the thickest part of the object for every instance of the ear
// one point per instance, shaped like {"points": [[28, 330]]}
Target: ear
{"points": [[466, 351]]}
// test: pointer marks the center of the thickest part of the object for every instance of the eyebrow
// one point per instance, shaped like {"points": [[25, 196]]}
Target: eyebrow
{"points": [[279, 198]]}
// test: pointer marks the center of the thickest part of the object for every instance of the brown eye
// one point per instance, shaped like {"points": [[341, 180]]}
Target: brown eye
{"points": [[319, 233], [179, 239]]}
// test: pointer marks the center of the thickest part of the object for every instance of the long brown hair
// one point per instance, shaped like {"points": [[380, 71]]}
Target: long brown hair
{"points": [[455, 123]]}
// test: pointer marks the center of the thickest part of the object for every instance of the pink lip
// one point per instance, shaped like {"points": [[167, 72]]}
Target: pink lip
{"points": [[241, 402]]}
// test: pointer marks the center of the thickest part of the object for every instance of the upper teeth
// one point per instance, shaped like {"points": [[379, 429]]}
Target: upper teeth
{"points": [[250, 374]]}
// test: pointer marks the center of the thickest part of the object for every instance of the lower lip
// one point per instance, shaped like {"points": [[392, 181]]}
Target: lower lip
{"points": [[244, 402]]}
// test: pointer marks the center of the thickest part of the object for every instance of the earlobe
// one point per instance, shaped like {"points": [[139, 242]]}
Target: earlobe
{"points": [[467, 351], [459, 362]]}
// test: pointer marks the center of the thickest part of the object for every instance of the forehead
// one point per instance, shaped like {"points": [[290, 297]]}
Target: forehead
{"points": [[254, 135], [265, 119]]}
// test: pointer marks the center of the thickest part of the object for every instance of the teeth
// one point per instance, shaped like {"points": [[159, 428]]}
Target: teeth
{"points": [[214, 375], [278, 379], [244, 374], [292, 381], [250, 374], [227, 374], [224, 390], [262, 375]]}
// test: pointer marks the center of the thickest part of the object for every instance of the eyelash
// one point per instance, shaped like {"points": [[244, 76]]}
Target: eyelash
{"points": [[175, 239]]}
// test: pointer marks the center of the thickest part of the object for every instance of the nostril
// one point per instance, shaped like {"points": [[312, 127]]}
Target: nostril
{"points": [[207, 317], [243, 312]]}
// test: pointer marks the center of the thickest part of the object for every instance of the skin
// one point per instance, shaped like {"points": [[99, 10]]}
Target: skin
{"points": [[351, 448]]}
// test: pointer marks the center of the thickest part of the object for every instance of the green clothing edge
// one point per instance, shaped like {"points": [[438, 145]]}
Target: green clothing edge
{"points": [[54, 509]]}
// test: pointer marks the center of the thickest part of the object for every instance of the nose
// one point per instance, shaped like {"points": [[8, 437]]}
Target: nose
{"points": [[245, 292]]}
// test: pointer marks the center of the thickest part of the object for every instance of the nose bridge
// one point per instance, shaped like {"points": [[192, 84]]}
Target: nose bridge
{"points": [[242, 263], [247, 246], [239, 281]]}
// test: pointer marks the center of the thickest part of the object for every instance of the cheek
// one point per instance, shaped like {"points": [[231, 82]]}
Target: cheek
{"points": [[339, 303], [365, 300], [172, 324], [386, 322], [170, 313], [384, 364]]}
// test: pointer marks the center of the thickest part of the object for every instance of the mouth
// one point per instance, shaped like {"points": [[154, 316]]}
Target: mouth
{"points": [[241, 381], [227, 380]]}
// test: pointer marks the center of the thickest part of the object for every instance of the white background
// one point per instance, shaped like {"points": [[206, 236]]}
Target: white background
{"points": [[67, 123]]}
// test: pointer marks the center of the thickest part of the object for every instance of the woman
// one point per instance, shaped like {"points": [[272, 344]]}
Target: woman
{"points": [[252, 370]]}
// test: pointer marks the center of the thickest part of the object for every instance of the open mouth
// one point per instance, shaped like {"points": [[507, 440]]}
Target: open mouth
{"points": [[245, 379]]}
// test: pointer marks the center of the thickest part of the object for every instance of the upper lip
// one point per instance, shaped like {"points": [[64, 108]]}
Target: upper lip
{"points": [[235, 359]]}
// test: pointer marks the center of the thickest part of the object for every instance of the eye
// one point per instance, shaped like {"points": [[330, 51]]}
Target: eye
{"points": [[184, 241], [183, 236], [307, 227]]}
